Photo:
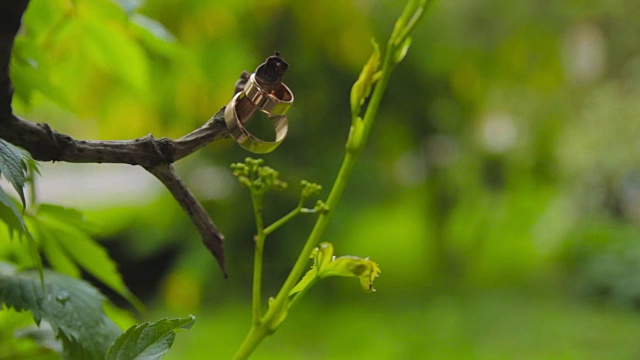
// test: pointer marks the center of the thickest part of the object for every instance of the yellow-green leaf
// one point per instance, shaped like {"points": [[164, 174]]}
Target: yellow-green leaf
{"points": [[353, 266], [362, 87], [402, 50], [326, 265]]}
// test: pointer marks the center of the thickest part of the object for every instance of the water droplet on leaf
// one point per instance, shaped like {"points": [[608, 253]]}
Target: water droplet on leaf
{"points": [[63, 296]]}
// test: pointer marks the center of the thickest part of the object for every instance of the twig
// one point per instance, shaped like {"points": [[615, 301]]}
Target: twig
{"points": [[211, 237]]}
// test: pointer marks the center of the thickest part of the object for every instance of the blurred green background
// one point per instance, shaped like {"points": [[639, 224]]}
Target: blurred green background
{"points": [[499, 191]]}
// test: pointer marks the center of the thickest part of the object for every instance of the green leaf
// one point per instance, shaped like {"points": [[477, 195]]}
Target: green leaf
{"points": [[15, 222], [405, 24], [58, 259], [72, 307], [13, 166], [30, 69], [321, 256], [10, 214], [112, 48], [69, 216], [356, 135], [353, 266], [306, 282], [402, 50], [148, 341], [362, 87], [66, 230], [325, 264]]}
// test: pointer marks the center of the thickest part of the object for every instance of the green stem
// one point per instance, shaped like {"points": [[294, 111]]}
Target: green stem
{"points": [[256, 294], [251, 342], [339, 185], [272, 318], [293, 213], [302, 292], [301, 263]]}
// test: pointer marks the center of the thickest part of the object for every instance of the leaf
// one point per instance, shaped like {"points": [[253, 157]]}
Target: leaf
{"points": [[413, 11], [362, 87], [13, 166], [66, 229], [323, 255], [353, 266], [320, 255], [402, 50], [10, 214], [356, 135], [307, 281], [71, 306], [148, 341], [55, 254], [112, 48], [154, 36], [30, 69], [326, 265], [69, 216]]}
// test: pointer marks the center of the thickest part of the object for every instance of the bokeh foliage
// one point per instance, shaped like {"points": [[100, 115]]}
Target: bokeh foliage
{"points": [[499, 189]]}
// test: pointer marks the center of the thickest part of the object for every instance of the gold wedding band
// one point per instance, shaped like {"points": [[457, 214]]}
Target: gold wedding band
{"points": [[276, 102], [253, 98]]}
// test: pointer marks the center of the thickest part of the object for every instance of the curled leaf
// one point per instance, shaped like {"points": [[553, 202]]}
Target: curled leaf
{"points": [[353, 266], [362, 87], [355, 141], [402, 50], [325, 265]]}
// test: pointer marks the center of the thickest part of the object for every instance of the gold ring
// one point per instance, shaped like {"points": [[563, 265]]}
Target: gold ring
{"points": [[276, 102], [238, 112], [252, 98]]}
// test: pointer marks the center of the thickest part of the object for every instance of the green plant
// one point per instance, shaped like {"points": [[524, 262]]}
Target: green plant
{"points": [[72, 308], [369, 89]]}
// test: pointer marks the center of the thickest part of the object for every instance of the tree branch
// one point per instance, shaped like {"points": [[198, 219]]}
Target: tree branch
{"points": [[211, 237], [10, 20], [155, 155], [46, 144]]}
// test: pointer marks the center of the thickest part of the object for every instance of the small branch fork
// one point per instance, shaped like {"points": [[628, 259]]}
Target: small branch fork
{"points": [[156, 155]]}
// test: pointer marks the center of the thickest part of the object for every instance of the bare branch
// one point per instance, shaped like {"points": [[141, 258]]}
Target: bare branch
{"points": [[46, 144], [211, 237]]}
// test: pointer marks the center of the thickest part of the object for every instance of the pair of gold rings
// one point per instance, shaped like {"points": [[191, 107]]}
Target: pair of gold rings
{"points": [[274, 104]]}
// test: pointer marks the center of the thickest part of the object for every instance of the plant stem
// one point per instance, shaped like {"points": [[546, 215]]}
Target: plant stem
{"points": [[256, 294], [251, 342], [272, 318], [318, 230], [293, 213], [339, 185], [302, 292]]}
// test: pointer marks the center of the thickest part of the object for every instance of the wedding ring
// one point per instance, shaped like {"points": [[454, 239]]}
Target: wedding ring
{"points": [[276, 102], [254, 98], [238, 112]]}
